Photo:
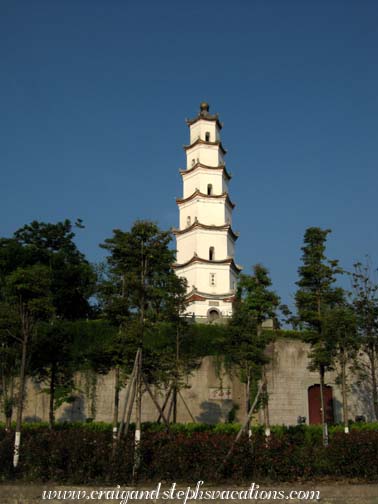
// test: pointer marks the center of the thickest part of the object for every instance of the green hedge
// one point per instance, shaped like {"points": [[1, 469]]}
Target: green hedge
{"points": [[307, 431], [83, 456]]}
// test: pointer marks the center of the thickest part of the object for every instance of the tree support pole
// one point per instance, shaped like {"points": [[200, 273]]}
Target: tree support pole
{"points": [[165, 402], [138, 422], [155, 402], [324, 424], [127, 395], [243, 427], [17, 439], [187, 407]]}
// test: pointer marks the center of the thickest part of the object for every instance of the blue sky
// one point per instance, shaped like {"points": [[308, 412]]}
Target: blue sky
{"points": [[94, 96]]}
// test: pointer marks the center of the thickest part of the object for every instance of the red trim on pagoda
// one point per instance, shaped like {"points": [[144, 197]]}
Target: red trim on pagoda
{"points": [[203, 142], [224, 195], [200, 165], [194, 295]]}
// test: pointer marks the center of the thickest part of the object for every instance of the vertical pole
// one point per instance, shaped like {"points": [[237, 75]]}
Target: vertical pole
{"points": [[344, 392], [25, 337], [266, 404], [129, 389], [324, 424], [138, 421], [116, 404], [248, 404]]}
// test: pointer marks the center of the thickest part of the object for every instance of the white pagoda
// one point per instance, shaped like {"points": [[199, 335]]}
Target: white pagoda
{"points": [[205, 239]]}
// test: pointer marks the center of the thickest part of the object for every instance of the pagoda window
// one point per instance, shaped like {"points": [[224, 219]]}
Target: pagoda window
{"points": [[209, 189], [193, 162], [207, 136], [211, 254], [188, 221]]}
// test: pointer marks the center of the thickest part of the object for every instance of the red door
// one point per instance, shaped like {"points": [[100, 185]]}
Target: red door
{"points": [[315, 416]]}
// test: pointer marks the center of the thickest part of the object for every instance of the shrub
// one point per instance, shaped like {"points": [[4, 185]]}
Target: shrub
{"points": [[80, 455]]}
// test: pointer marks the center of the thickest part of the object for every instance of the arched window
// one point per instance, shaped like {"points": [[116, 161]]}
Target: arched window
{"points": [[193, 162], [211, 254], [188, 221], [207, 136], [209, 189]]}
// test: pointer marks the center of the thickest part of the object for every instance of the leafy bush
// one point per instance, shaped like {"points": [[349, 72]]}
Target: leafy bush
{"points": [[79, 455]]}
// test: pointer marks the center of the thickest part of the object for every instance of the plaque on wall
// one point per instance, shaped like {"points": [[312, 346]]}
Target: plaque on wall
{"points": [[213, 303], [219, 394]]}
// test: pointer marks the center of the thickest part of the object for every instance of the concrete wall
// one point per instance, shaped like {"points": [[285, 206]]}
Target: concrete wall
{"points": [[289, 379], [211, 393]]}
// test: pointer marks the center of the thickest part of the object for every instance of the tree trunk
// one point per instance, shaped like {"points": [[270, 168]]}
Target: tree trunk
{"points": [[174, 399], [116, 404], [25, 338], [138, 420], [52, 396], [8, 406], [322, 411], [373, 370], [248, 404], [175, 389], [344, 392], [266, 405]]}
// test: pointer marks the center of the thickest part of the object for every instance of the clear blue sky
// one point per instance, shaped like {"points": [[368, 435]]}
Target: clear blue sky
{"points": [[94, 93]]}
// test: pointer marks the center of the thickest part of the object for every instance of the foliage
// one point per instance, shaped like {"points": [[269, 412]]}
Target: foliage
{"points": [[255, 303], [140, 290], [316, 296], [43, 276], [72, 277], [316, 293], [82, 456], [340, 335], [365, 302], [140, 268]]}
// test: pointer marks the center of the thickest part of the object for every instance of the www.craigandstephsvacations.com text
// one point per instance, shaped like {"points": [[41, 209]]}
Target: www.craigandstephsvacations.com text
{"points": [[183, 495]]}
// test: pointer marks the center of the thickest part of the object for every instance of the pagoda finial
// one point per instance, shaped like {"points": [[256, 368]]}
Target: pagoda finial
{"points": [[204, 107]]}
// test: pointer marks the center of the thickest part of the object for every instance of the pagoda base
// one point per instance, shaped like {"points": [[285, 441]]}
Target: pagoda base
{"points": [[209, 308]]}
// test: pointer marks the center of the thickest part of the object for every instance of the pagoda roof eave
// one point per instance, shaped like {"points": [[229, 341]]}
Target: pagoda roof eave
{"points": [[197, 224], [209, 117], [195, 295], [200, 141], [224, 195], [200, 165], [195, 258]]}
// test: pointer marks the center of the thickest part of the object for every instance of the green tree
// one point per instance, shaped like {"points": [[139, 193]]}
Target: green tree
{"points": [[9, 358], [365, 303], [72, 276], [52, 362], [28, 291], [255, 304], [316, 294], [71, 283], [342, 344], [140, 290]]}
